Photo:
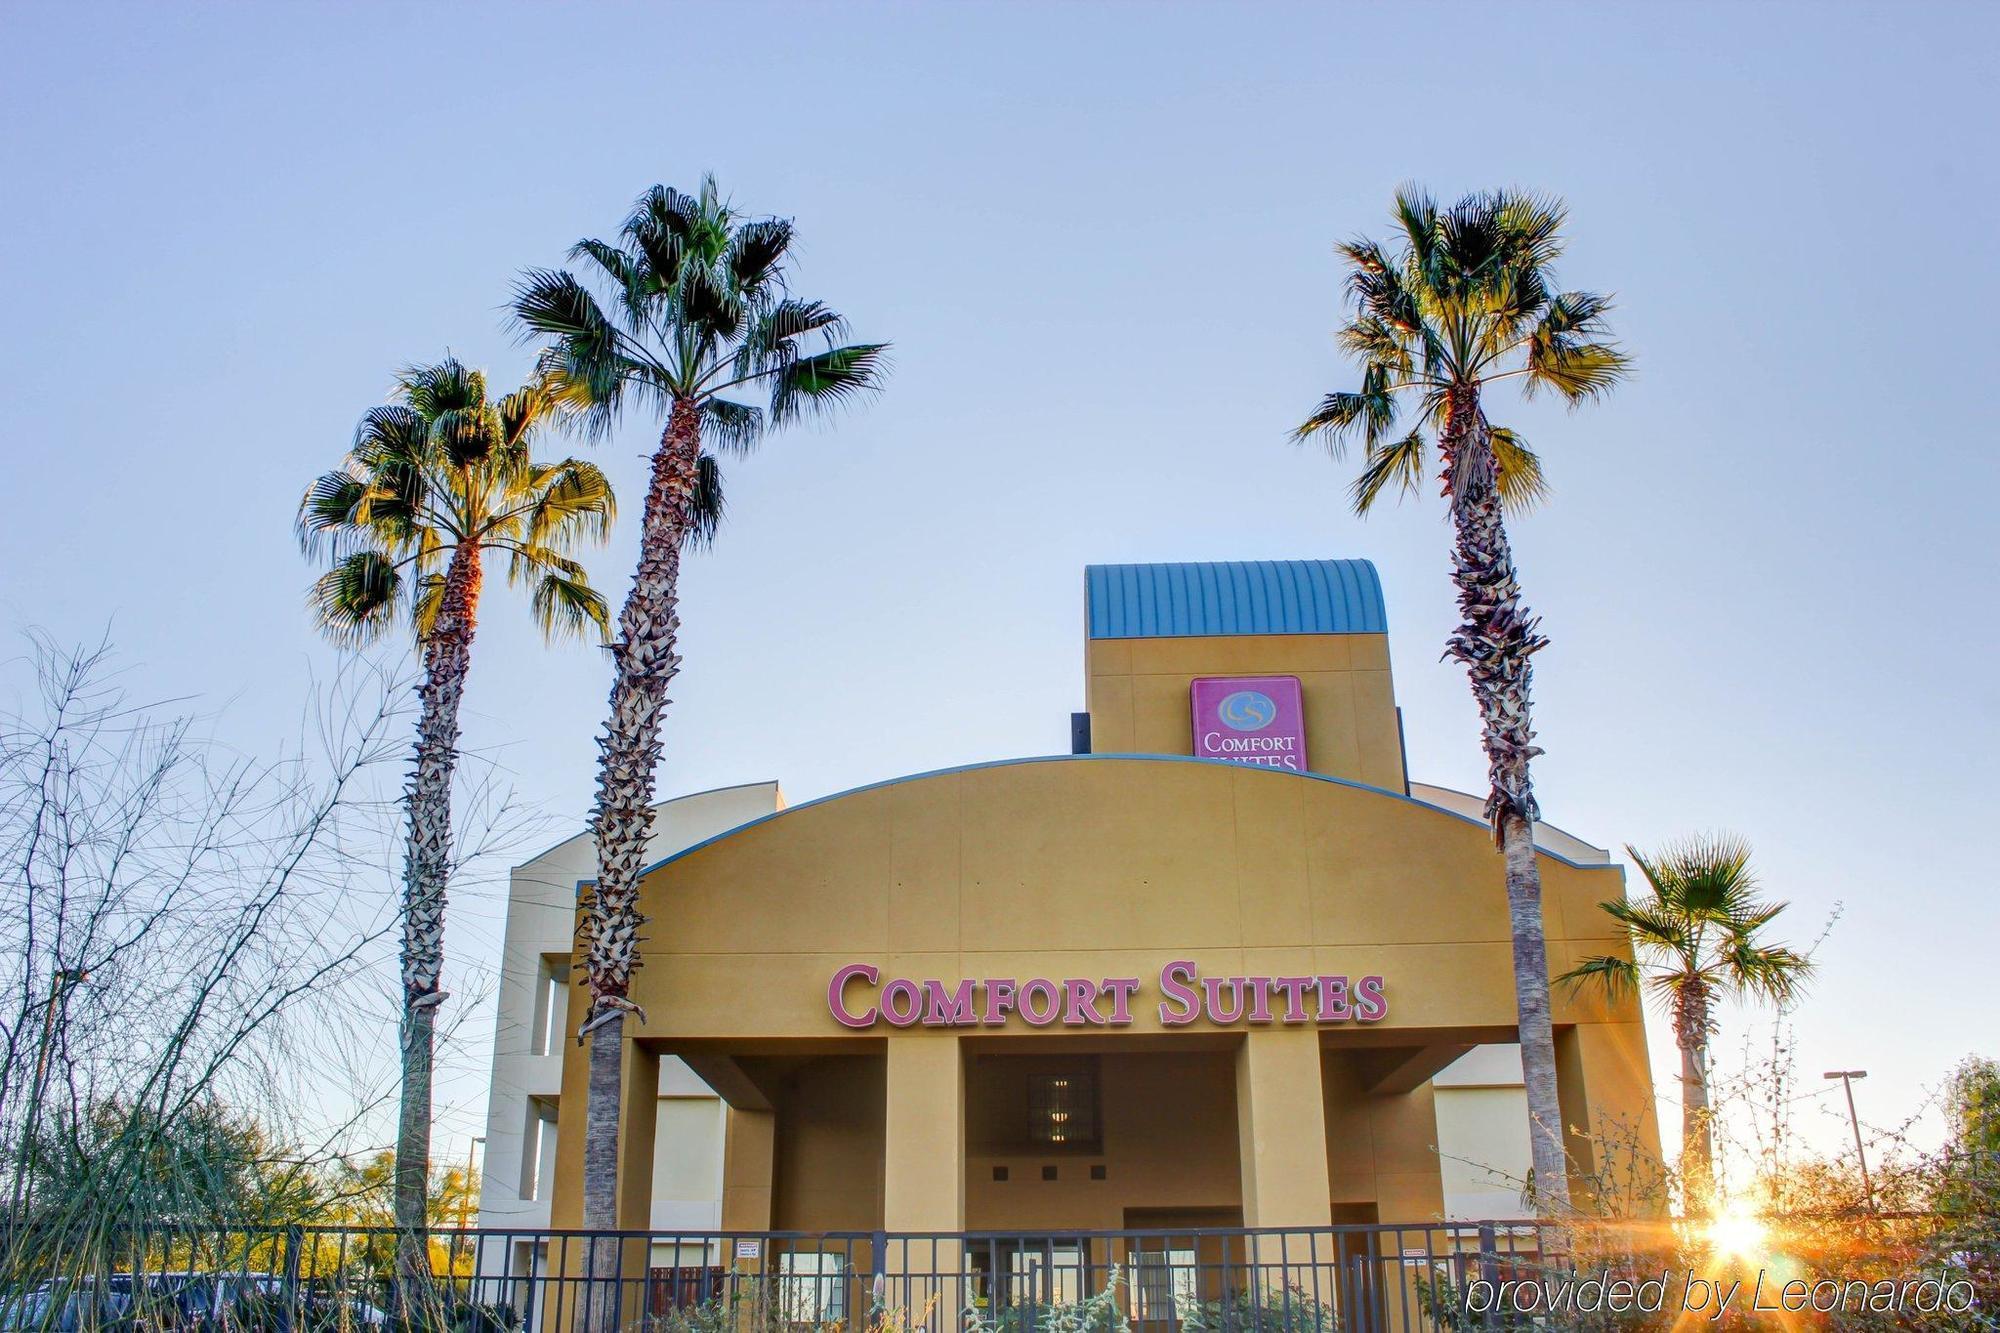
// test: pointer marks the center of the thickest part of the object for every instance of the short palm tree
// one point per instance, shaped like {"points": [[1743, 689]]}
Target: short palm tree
{"points": [[696, 315], [1695, 941], [433, 484], [1463, 303]]}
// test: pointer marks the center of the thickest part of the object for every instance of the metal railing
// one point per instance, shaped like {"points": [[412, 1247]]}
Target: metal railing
{"points": [[330, 1279]]}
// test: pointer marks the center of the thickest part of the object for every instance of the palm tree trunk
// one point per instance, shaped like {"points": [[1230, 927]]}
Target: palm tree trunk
{"points": [[645, 662], [1697, 1132], [1495, 639], [426, 875]]}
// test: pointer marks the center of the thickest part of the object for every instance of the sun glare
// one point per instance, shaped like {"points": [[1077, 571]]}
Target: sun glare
{"points": [[1737, 1235]]}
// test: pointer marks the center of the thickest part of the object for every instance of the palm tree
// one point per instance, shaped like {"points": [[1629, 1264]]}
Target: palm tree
{"points": [[433, 484], [699, 316], [1696, 941], [1467, 301]]}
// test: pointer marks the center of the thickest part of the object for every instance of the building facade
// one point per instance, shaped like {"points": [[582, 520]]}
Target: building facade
{"points": [[1224, 966], [524, 1097]]}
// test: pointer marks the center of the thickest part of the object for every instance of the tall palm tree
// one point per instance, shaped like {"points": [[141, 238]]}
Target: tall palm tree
{"points": [[433, 484], [1696, 941], [699, 316], [1464, 302]]}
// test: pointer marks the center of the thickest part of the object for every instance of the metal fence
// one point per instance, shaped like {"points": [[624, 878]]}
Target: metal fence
{"points": [[1351, 1279]]}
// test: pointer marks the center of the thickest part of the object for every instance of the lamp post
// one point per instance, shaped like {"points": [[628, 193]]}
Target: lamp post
{"points": [[465, 1198], [1847, 1077]]}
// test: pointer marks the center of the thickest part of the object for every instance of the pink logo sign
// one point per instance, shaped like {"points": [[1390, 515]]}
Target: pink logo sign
{"points": [[1250, 720]]}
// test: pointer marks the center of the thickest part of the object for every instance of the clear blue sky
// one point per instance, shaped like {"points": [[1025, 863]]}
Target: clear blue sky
{"points": [[1100, 239]]}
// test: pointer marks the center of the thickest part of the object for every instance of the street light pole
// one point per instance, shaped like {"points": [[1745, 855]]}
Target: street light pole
{"points": [[465, 1197], [1847, 1077]]}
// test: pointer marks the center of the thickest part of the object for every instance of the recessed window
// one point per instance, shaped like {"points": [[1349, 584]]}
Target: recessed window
{"points": [[1048, 1173], [538, 1149], [1062, 1109], [1000, 1173], [551, 1004], [1097, 1172]]}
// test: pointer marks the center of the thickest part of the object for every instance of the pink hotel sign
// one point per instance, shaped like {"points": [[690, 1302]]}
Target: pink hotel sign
{"points": [[1250, 720], [858, 998]]}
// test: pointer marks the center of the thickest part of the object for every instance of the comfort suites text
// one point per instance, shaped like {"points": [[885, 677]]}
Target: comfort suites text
{"points": [[859, 998]]}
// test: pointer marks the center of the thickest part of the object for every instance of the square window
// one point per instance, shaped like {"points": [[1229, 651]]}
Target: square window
{"points": [[1097, 1172], [999, 1173], [1048, 1173]]}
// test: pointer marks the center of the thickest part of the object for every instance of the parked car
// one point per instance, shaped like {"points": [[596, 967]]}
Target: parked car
{"points": [[162, 1300]]}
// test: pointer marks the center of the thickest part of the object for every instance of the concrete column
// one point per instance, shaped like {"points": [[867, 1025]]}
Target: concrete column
{"points": [[1605, 1088], [637, 1121], [749, 1169], [923, 1176], [923, 1164], [638, 1127], [1281, 1129]]}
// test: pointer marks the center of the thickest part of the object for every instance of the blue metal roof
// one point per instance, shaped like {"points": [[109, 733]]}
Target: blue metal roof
{"points": [[1235, 597]]}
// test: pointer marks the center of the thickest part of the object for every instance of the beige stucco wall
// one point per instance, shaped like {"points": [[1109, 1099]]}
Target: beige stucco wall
{"points": [[1108, 867], [1138, 695], [526, 1078]]}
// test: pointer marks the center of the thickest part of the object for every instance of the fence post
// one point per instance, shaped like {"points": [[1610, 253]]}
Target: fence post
{"points": [[1489, 1270], [294, 1242]]}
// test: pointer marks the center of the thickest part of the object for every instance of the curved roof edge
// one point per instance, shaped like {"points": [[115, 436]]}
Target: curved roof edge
{"points": [[1548, 837], [1277, 774], [658, 806], [1234, 597]]}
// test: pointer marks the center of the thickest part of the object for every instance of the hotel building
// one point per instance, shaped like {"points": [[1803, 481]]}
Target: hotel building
{"points": [[1224, 965]]}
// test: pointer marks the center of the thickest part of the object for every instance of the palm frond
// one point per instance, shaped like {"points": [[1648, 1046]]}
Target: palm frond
{"points": [[1518, 471], [1461, 299], [425, 604], [1399, 463], [707, 305], [524, 409], [1339, 413], [1416, 212], [1707, 876], [355, 601], [756, 254], [663, 211], [330, 505], [772, 337], [632, 278], [1653, 925], [1618, 977], [465, 434], [553, 302], [825, 380], [390, 434], [1771, 972], [704, 509], [1579, 371], [584, 367], [573, 502], [1530, 227], [440, 469], [1577, 313], [1700, 926], [732, 427], [442, 387], [566, 607], [1371, 341]]}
